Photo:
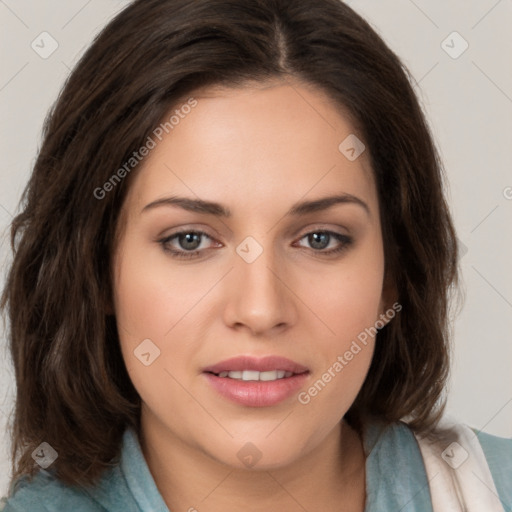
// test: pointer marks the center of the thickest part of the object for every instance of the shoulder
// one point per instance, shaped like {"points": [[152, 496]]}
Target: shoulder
{"points": [[395, 448], [472, 455], [397, 461], [395, 474], [45, 493], [126, 486], [391, 439], [498, 453]]}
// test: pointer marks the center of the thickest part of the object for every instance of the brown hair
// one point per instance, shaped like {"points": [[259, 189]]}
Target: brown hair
{"points": [[73, 390]]}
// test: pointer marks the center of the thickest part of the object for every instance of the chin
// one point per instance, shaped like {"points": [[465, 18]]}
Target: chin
{"points": [[257, 453]]}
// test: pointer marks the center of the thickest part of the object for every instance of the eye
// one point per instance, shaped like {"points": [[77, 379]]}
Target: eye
{"points": [[189, 243], [320, 240]]}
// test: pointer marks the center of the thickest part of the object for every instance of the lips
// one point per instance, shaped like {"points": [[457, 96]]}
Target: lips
{"points": [[254, 382], [249, 363]]}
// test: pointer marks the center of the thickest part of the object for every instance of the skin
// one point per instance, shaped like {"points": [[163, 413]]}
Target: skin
{"points": [[257, 150]]}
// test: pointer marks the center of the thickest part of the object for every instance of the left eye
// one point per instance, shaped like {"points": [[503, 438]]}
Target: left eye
{"points": [[319, 240], [189, 242]]}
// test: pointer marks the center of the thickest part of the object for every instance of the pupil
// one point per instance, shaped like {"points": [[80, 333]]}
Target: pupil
{"points": [[319, 240]]}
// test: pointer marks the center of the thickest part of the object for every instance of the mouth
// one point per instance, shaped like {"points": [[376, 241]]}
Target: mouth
{"points": [[255, 382]]}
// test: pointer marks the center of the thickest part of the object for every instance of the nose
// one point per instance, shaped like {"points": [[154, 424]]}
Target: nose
{"points": [[259, 295]]}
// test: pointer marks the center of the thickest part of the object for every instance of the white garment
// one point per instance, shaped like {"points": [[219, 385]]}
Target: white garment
{"points": [[459, 477]]}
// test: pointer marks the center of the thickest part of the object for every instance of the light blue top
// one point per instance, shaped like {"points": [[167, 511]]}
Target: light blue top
{"points": [[395, 478]]}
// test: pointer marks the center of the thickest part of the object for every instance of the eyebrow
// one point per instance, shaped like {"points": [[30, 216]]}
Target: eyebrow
{"points": [[298, 209]]}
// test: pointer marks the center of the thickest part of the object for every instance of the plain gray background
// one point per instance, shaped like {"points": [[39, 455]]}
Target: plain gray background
{"points": [[467, 96]]}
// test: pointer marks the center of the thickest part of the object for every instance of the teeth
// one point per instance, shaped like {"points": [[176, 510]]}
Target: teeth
{"points": [[271, 375], [250, 375], [254, 375]]}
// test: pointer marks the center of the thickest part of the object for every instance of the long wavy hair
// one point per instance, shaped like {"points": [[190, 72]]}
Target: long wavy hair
{"points": [[72, 387]]}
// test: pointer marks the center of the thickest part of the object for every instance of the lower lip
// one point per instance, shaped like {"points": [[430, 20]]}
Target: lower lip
{"points": [[254, 393]]}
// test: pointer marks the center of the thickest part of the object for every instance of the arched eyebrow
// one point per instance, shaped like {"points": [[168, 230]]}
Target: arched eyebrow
{"points": [[219, 210]]}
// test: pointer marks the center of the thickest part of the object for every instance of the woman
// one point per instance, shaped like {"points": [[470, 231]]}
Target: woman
{"points": [[232, 273]]}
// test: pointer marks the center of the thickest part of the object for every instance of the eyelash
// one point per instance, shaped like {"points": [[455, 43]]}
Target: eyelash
{"points": [[345, 240]]}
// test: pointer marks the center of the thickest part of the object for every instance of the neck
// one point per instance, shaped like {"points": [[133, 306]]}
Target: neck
{"points": [[188, 479]]}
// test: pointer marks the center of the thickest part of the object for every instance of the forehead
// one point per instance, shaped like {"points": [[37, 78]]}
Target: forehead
{"points": [[255, 144]]}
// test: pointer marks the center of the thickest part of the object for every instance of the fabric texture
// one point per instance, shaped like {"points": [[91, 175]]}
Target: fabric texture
{"points": [[459, 477], [396, 478]]}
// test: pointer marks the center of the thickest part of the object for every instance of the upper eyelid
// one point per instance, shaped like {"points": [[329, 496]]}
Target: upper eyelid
{"points": [[315, 226]]}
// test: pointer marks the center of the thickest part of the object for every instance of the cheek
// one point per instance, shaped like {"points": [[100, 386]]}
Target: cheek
{"points": [[147, 303], [350, 308], [347, 297], [146, 308]]}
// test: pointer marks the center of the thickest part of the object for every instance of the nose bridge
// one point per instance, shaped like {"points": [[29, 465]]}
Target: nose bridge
{"points": [[259, 300]]}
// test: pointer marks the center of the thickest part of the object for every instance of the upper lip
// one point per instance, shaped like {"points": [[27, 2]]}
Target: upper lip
{"points": [[263, 364]]}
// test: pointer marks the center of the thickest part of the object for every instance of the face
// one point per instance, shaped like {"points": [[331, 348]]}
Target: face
{"points": [[269, 270]]}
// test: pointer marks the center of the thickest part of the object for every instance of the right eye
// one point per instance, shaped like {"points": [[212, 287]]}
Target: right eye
{"points": [[189, 242]]}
